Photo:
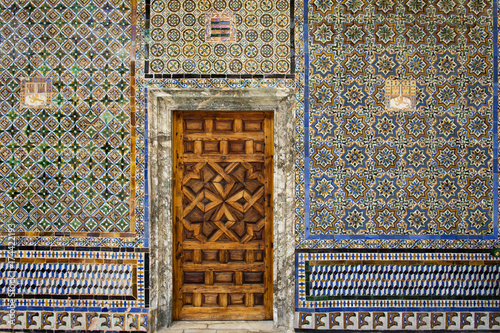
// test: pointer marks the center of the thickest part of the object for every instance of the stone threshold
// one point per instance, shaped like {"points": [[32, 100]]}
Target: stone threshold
{"points": [[222, 327]]}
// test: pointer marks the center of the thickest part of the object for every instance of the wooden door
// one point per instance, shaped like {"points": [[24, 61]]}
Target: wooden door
{"points": [[223, 215]]}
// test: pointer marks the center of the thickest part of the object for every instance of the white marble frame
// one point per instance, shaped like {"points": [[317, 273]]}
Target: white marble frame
{"points": [[161, 104]]}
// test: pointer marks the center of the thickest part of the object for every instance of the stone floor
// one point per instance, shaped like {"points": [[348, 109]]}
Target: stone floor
{"points": [[221, 327]]}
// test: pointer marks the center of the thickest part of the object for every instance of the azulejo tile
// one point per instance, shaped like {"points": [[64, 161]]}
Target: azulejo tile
{"points": [[353, 291], [383, 320], [87, 321], [219, 37], [425, 282], [82, 277], [66, 145], [407, 90]]}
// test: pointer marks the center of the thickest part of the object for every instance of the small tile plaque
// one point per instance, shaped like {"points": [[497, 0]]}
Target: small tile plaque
{"points": [[220, 27], [400, 94], [36, 93]]}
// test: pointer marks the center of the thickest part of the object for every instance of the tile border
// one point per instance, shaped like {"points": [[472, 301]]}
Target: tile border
{"points": [[394, 321]]}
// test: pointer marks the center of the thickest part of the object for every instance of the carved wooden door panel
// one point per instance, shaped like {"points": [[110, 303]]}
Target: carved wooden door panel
{"points": [[223, 215]]}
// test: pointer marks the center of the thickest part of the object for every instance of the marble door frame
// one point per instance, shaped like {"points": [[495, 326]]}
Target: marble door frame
{"points": [[161, 104]]}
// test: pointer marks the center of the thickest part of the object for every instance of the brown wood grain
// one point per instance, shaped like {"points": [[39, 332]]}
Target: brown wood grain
{"points": [[178, 140], [234, 312], [237, 266], [268, 275], [222, 180], [219, 288]]}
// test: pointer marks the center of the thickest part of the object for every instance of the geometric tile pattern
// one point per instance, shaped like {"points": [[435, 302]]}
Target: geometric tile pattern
{"points": [[36, 93], [329, 281], [408, 320], [74, 321], [66, 171], [381, 173], [177, 42], [69, 279], [92, 281], [397, 281], [220, 28]]}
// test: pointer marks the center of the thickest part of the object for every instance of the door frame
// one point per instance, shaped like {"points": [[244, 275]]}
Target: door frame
{"points": [[160, 106]]}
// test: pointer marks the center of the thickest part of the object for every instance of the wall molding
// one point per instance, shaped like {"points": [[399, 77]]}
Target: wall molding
{"points": [[161, 104]]}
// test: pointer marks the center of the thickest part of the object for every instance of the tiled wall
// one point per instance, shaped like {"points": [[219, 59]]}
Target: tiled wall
{"points": [[68, 172], [422, 174], [77, 290], [65, 173], [405, 291], [370, 177], [390, 194], [179, 42]]}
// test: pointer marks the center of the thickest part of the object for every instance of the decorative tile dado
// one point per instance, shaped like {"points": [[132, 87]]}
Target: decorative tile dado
{"points": [[260, 38], [328, 280], [397, 281], [407, 320], [88, 280], [71, 279], [399, 146], [75, 321]]}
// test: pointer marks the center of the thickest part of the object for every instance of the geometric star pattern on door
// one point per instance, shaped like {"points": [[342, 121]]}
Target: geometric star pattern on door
{"points": [[225, 201]]}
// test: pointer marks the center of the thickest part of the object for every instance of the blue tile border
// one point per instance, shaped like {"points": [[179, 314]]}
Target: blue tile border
{"points": [[146, 171], [307, 181], [495, 118]]}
